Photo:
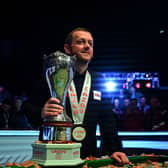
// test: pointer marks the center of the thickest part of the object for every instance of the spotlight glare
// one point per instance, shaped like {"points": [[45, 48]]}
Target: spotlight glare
{"points": [[138, 85], [110, 86], [148, 85]]}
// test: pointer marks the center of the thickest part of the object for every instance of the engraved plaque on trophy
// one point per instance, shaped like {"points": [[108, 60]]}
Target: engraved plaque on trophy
{"points": [[59, 72]]}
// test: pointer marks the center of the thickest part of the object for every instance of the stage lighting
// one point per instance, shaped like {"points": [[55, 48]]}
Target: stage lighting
{"points": [[110, 86], [148, 85], [138, 85]]}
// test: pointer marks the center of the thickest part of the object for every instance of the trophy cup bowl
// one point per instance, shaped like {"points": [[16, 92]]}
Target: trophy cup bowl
{"points": [[59, 72]]}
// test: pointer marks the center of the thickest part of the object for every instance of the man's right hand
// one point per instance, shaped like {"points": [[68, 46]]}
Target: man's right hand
{"points": [[51, 108]]}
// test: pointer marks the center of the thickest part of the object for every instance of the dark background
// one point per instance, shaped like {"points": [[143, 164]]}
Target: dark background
{"points": [[127, 36]]}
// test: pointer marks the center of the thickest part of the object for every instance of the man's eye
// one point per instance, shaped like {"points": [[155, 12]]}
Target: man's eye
{"points": [[83, 42], [80, 42], [91, 44]]}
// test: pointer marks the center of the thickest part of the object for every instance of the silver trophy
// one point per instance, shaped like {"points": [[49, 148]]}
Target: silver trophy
{"points": [[59, 72]]}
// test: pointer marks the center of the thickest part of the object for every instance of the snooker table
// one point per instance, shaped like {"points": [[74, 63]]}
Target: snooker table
{"points": [[144, 161]]}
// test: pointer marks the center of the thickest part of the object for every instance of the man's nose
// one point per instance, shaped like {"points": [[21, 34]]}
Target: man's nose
{"points": [[87, 45]]}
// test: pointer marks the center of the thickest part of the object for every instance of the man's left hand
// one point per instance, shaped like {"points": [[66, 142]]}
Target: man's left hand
{"points": [[120, 157]]}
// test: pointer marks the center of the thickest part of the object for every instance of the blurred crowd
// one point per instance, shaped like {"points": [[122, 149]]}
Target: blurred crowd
{"points": [[140, 114], [133, 112], [14, 113]]}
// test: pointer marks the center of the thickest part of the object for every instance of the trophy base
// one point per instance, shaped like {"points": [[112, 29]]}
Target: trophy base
{"points": [[57, 132], [57, 154]]}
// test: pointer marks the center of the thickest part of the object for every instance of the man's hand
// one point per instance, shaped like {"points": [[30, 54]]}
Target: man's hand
{"points": [[120, 157], [51, 108]]}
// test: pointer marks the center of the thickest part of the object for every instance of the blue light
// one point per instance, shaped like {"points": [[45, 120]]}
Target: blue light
{"points": [[111, 86], [142, 144], [145, 144], [159, 133], [19, 132]]}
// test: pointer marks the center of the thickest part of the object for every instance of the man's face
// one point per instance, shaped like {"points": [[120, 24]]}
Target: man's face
{"points": [[82, 46], [126, 102], [142, 100]]}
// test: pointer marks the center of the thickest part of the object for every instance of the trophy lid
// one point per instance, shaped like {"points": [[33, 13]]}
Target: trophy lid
{"points": [[59, 58]]}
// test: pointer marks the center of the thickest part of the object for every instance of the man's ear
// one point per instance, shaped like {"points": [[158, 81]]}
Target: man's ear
{"points": [[67, 48]]}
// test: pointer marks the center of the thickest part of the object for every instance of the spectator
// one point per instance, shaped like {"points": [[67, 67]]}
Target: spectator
{"points": [[134, 118], [142, 104], [116, 108], [156, 116], [5, 114], [18, 119]]}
